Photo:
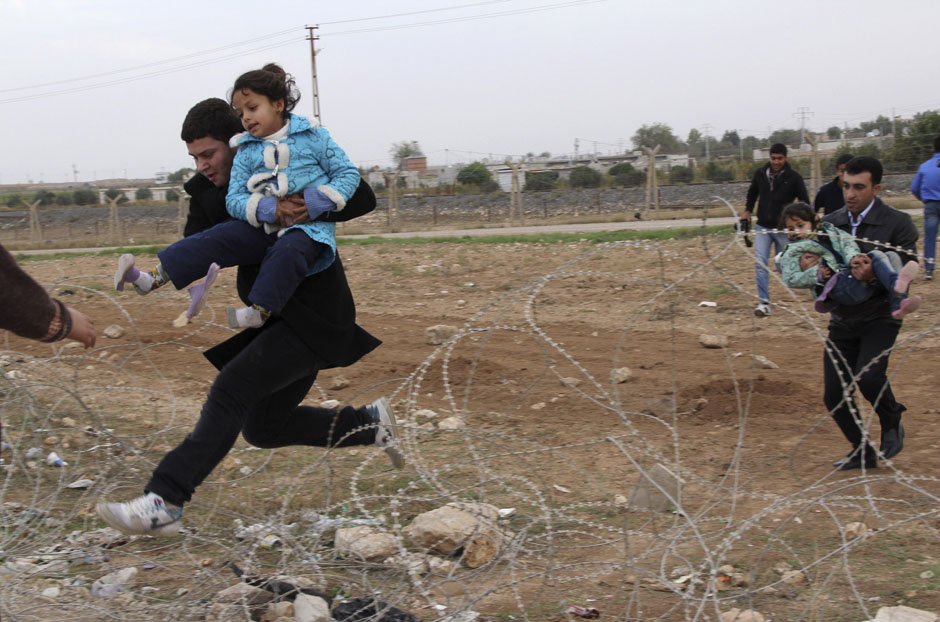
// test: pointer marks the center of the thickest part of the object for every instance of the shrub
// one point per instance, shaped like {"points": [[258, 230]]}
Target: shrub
{"points": [[64, 198], [84, 196], [584, 177], [680, 175]]}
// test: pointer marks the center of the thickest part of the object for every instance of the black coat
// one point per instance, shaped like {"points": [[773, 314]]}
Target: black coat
{"points": [[829, 198], [321, 311], [788, 187], [882, 224]]}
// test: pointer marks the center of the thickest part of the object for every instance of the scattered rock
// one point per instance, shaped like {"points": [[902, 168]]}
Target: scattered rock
{"points": [[646, 495], [855, 530], [904, 614], [440, 566], [338, 383], [243, 593], [425, 413], [451, 423], [740, 579], [570, 382], [472, 526], [699, 404], [727, 569], [309, 608], [713, 341], [51, 592], [412, 562], [68, 422], [278, 611], [794, 577], [364, 542], [114, 331], [622, 374], [124, 576], [661, 407], [738, 615], [763, 362], [436, 335]]}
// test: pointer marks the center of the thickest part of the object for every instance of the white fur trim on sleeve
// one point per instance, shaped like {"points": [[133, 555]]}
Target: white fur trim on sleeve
{"points": [[270, 227], [334, 196], [256, 182], [234, 140], [251, 209]]}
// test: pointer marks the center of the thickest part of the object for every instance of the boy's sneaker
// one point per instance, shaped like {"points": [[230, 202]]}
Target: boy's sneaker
{"points": [[907, 274], [148, 515], [762, 310], [908, 305], [383, 415]]}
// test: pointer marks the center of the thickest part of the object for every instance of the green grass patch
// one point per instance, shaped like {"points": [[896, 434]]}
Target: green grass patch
{"points": [[599, 237]]}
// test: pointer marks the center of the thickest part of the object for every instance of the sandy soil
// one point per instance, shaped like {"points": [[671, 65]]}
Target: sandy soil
{"points": [[542, 329]]}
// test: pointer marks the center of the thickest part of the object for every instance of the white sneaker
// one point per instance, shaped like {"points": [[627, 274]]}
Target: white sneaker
{"points": [[246, 317], [148, 515], [381, 410], [762, 310]]}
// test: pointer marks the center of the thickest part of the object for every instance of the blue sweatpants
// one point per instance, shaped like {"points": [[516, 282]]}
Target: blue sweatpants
{"points": [[284, 260]]}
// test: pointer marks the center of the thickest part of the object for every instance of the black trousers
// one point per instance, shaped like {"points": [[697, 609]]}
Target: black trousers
{"points": [[853, 347], [258, 394]]}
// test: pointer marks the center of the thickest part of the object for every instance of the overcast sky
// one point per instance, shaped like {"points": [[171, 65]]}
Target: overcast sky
{"points": [[104, 85]]}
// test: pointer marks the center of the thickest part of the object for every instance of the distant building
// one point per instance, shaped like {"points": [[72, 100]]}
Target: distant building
{"points": [[416, 163]]}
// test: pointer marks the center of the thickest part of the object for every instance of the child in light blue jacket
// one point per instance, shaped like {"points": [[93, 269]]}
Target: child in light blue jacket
{"points": [[819, 254], [280, 154]]}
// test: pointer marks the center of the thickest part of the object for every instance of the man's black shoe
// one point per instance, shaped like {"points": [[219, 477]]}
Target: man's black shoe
{"points": [[892, 441], [855, 462]]}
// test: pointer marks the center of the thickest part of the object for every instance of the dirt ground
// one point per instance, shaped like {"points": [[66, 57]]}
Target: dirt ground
{"points": [[546, 430]]}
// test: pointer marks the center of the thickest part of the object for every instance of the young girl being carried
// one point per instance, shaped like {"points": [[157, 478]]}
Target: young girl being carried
{"points": [[280, 154], [819, 255]]}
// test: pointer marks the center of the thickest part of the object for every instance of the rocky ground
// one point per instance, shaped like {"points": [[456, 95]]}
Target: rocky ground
{"points": [[574, 371]]}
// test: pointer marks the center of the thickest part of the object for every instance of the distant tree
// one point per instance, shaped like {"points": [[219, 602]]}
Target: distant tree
{"points": [[750, 144], [625, 174], [584, 177], [717, 173], [178, 176], [403, 150], [680, 175], [475, 174], [657, 134], [111, 193], [731, 136], [868, 149], [144, 194], [545, 154], [880, 126], [64, 198], [543, 180], [786, 136], [44, 197], [834, 133], [14, 200], [915, 143], [84, 196], [172, 195]]}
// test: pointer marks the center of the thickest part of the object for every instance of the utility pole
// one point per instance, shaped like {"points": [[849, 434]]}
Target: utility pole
{"points": [[313, 38], [708, 128], [802, 112], [894, 127]]}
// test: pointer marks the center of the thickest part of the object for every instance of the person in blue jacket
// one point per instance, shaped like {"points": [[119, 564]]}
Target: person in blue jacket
{"points": [[926, 187], [280, 154]]}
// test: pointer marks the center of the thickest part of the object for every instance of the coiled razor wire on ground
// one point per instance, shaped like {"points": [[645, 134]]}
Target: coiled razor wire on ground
{"points": [[112, 412]]}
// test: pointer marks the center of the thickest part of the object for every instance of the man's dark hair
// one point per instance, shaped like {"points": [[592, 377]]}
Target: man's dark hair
{"points": [[861, 164], [845, 158], [211, 117], [778, 148], [936, 144]]}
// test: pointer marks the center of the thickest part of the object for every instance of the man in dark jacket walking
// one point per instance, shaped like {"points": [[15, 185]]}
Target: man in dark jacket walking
{"points": [[774, 185], [829, 198], [264, 373], [861, 336]]}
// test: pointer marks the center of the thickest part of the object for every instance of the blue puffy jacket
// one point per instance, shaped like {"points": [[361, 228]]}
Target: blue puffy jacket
{"points": [[307, 161]]}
